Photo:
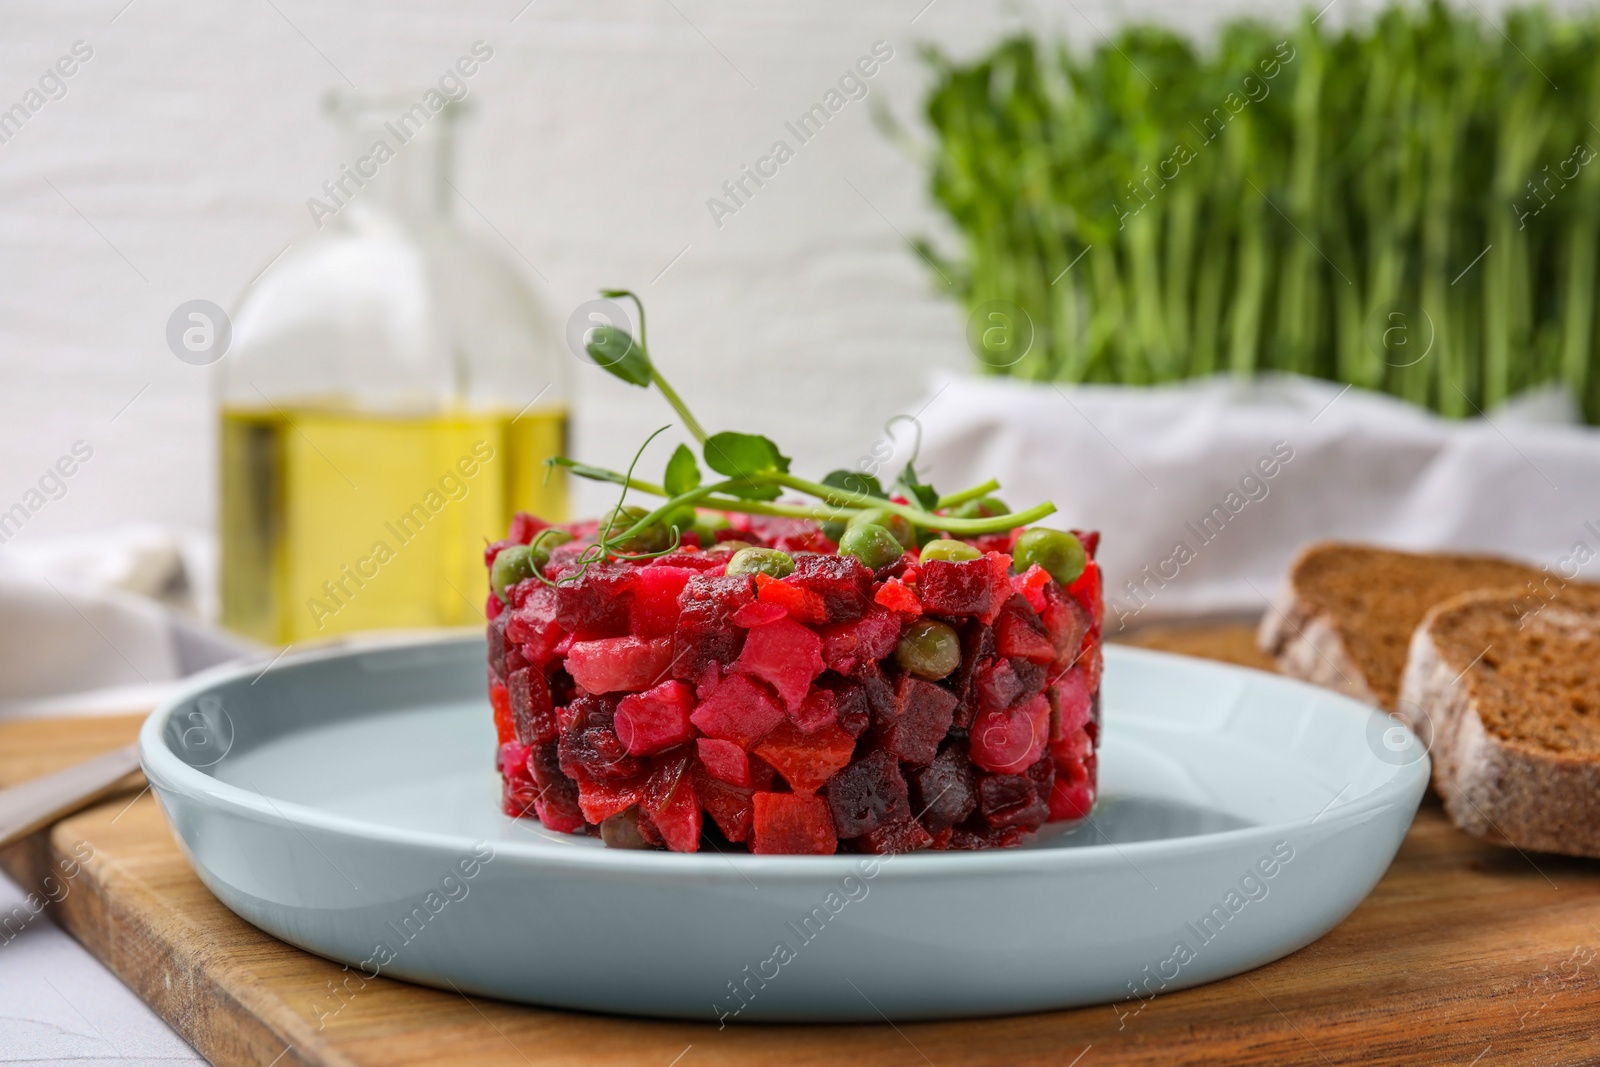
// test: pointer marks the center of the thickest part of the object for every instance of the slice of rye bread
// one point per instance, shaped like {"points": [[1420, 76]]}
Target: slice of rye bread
{"points": [[1511, 698], [1345, 617]]}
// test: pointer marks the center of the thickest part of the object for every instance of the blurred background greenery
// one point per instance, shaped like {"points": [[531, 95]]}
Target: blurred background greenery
{"points": [[1332, 202]]}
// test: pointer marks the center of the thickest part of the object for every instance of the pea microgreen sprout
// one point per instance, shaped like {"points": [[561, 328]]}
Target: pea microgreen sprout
{"points": [[755, 474]]}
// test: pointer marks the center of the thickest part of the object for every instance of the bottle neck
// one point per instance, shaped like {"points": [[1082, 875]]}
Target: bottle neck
{"points": [[394, 158]]}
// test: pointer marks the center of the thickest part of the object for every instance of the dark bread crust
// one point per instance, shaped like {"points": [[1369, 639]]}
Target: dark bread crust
{"points": [[1511, 698], [1347, 612]]}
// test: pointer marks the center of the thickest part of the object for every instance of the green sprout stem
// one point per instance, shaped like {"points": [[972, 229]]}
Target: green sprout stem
{"points": [[677, 403], [840, 505], [977, 492], [689, 421], [916, 516]]}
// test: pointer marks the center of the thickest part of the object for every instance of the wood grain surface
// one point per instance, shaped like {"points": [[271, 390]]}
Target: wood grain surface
{"points": [[1465, 953]]}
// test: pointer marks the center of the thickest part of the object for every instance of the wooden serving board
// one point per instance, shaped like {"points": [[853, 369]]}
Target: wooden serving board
{"points": [[1465, 953]]}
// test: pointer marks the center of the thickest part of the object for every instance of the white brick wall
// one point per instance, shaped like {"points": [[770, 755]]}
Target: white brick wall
{"points": [[191, 140]]}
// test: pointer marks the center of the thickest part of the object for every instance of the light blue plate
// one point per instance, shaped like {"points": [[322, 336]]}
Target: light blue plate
{"points": [[346, 802]]}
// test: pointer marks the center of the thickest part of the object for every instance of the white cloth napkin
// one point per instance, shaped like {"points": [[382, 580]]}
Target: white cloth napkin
{"points": [[105, 622], [1204, 490]]}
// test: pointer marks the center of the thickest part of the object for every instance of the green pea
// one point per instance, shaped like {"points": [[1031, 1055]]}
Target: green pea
{"points": [[929, 649], [898, 525], [870, 543], [983, 508], [622, 830], [761, 561], [511, 565], [833, 530], [706, 525], [544, 541], [954, 551], [1058, 552], [653, 538]]}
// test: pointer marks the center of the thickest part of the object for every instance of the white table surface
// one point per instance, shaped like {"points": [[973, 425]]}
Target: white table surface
{"points": [[59, 1006]]}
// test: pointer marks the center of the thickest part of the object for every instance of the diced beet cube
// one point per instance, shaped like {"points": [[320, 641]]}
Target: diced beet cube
{"points": [[806, 761], [524, 526], [802, 605], [1090, 539], [729, 806], [511, 759], [1030, 585], [849, 646], [596, 602], [1073, 792], [972, 839], [518, 791], [1069, 704], [1071, 751], [670, 801], [497, 646], [1008, 682], [946, 791], [996, 542], [532, 623], [532, 715], [518, 797], [854, 698], [1018, 633], [590, 743], [784, 654], [600, 798], [977, 587], [654, 611], [820, 708], [1008, 741], [655, 720], [567, 558], [500, 700], [695, 561], [1043, 773], [1086, 590], [1092, 661], [494, 548], [918, 720], [724, 760], [977, 655], [762, 776], [792, 824], [705, 632], [619, 664], [907, 835], [802, 534], [557, 800], [1011, 800], [562, 689], [1066, 621], [739, 710], [844, 585], [758, 614], [869, 793]]}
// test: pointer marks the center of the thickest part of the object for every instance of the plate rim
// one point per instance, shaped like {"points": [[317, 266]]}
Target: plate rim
{"points": [[165, 771]]}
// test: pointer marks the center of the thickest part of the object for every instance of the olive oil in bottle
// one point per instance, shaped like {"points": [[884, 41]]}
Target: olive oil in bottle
{"points": [[337, 521], [393, 389]]}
